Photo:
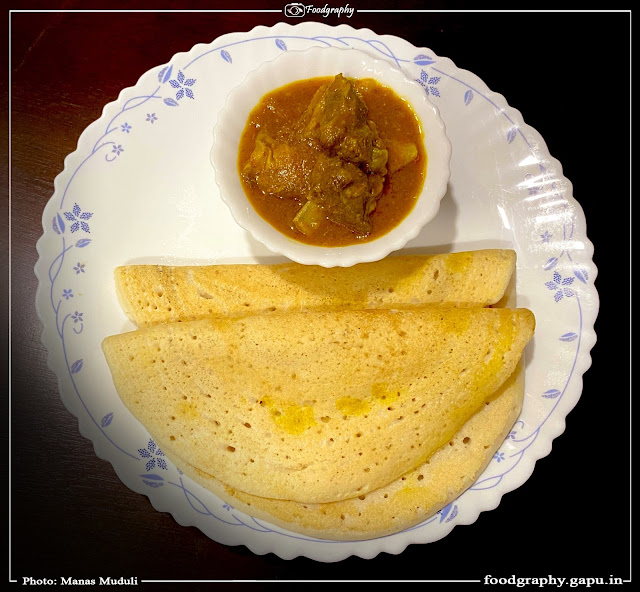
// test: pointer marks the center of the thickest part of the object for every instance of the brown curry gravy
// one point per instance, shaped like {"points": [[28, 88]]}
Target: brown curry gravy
{"points": [[395, 121]]}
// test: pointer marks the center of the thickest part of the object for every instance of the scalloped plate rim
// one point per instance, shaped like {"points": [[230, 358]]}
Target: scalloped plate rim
{"points": [[410, 537]]}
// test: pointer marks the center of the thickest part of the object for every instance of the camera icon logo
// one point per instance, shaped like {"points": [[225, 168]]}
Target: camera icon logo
{"points": [[294, 9]]}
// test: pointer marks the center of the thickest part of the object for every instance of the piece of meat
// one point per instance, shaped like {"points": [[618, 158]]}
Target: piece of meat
{"points": [[346, 193], [333, 157], [336, 120], [280, 168]]}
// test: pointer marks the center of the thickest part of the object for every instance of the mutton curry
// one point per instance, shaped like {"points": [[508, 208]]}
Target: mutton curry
{"points": [[332, 161]]}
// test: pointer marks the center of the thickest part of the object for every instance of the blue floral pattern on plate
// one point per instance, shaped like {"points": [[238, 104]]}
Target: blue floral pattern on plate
{"points": [[555, 257]]}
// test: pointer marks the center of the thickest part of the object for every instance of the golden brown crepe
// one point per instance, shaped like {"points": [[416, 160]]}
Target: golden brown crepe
{"points": [[315, 406], [153, 294]]}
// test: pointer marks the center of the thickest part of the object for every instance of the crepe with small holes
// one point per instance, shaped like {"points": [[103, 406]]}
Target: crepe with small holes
{"points": [[153, 294], [403, 503], [409, 500], [315, 406]]}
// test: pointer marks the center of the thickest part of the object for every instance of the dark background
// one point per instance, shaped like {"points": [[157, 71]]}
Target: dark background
{"points": [[568, 73]]}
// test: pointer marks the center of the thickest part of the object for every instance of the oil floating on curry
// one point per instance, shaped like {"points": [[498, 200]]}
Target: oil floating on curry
{"points": [[332, 161]]}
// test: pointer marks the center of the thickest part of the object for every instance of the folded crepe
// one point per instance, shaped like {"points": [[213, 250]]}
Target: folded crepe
{"points": [[315, 407], [406, 501], [153, 294]]}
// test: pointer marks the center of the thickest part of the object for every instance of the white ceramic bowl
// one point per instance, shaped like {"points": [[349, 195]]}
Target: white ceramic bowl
{"points": [[314, 62]]}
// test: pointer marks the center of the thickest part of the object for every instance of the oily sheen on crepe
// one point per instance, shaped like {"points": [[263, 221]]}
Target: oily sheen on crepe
{"points": [[152, 294], [403, 503], [315, 406]]}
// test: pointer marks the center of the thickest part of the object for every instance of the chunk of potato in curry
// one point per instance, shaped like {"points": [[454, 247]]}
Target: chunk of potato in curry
{"points": [[332, 161]]}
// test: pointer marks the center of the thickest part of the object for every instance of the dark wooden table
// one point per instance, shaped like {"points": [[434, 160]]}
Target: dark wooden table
{"points": [[70, 515]]}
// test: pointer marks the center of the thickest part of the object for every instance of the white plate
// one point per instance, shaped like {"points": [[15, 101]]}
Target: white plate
{"points": [[139, 189]]}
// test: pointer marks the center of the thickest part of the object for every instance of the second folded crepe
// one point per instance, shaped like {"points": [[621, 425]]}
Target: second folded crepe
{"points": [[315, 407]]}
